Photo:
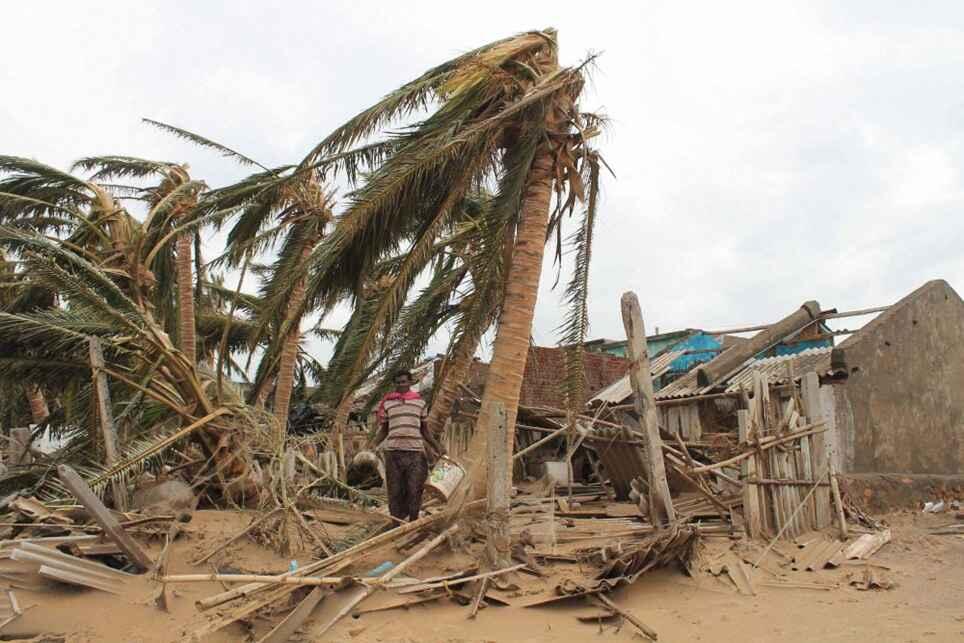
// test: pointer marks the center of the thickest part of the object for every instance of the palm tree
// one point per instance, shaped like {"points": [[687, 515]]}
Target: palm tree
{"points": [[273, 203], [101, 271], [506, 116], [172, 201]]}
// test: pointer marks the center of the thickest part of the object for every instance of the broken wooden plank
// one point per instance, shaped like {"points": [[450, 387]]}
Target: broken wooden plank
{"points": [[479, 599], [641, 380], [644, 629], [295, 619], [837, 502], [739, 574], [76, 485]]}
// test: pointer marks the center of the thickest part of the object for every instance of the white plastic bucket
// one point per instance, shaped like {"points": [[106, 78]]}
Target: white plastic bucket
{"points": [[444, 478], [557, 472]]}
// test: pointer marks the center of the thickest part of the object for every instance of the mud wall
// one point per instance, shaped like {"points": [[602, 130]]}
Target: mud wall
{"points": [[901, 410]]}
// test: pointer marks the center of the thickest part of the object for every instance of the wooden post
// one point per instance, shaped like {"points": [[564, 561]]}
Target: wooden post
{"points": [[810, 389], [107, 430], [751, 494], [76, 485], [499, 489], [661, 504]]}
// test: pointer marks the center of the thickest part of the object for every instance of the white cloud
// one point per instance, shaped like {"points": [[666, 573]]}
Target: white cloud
{"points": [[766, 152]]}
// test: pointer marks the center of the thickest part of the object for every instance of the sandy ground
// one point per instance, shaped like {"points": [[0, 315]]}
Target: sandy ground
{"points": [[926, 605]]}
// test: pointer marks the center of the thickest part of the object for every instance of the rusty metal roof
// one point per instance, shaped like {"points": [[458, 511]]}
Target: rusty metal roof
{"points": [[621, 389]]}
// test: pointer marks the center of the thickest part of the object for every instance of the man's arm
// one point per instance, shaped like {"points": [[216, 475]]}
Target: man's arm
{"points": [[430, 439], [381, 434]]}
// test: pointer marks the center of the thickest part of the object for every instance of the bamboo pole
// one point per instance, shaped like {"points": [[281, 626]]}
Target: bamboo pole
{"points": [[255, 578]]}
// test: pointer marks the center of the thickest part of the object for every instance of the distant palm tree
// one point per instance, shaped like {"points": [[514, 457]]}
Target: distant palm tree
{"points": [[172, 201], [271, 205]]}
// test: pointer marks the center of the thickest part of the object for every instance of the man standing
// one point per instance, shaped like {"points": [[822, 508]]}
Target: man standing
{"points": [[402, 426]]}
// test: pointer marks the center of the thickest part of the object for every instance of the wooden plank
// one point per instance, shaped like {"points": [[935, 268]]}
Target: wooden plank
{"points": [[644, 629], [108, 431], [76, 485], [837, 501], [751, 497], [813, 405], [295, 619], [640, 378]]}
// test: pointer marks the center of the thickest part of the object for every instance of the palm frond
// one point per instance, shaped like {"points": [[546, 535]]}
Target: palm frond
{"points": [[202, 141]]}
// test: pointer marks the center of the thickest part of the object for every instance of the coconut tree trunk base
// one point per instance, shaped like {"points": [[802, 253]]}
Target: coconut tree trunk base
{"points": [[511, 350]]}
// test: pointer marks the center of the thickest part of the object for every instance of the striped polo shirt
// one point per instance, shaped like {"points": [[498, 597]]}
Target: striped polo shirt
{"points": [[404, 420]]}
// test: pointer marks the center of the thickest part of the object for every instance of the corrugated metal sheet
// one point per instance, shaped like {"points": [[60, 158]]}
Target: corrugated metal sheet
{"points": [[621, 389], [812, 359], [776, 368]]}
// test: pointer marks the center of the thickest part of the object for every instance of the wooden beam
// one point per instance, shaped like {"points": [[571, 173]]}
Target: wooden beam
{"points": [[76, 485], [640, 378], [108, 432]]}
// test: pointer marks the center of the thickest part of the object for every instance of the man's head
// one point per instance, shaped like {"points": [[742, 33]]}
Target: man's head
{"points": [[403, 381]]}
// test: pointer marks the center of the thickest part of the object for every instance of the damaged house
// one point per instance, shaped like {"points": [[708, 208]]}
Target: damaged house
{"points": [[892, 391]]}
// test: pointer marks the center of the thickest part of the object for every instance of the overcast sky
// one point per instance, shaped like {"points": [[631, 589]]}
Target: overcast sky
{"points": [[766, 153]]}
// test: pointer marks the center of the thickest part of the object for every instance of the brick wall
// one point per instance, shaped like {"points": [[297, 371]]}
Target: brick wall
{"points": [[546, 367]]}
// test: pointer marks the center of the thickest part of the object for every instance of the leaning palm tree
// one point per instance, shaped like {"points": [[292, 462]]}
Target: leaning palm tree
{"points": [[506, 116]]}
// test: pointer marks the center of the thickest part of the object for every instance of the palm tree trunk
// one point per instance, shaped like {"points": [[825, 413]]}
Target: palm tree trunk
{"points": [[38, 405], [289, 354], [187, 332], [504, 379]]}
